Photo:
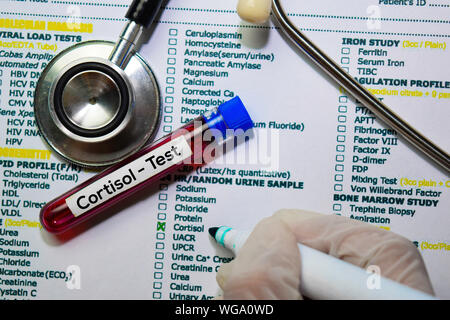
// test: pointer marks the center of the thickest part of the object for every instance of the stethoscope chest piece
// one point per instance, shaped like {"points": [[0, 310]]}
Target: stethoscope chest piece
{"points": [[91, 111], [98, 102]]}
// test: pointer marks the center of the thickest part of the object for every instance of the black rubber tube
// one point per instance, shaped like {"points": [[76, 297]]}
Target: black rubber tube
{"points": [[143, 12]]}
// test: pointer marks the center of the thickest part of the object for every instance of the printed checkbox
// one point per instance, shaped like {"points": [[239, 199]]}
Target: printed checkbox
{"points": [[345, 60], [340, 148], [338, 177], [168, 109], [160, 246], [172, 51], [157, 295], [340, 158], [337, 207], [169, 99], [170, 80], [343, 99], [167, 129], [338, 187], [170, 90], [157, 285], [163, 186], [342, 128], [345, 50], [157, 275], [340, 138], [162, 206], [168, 119], [159, 255], [342, 119], [158, 265], [160, 235], [163, 196], [162, 216], [173, 41], [171, 61], [173, 32], [342, 109], [171, 70], [339, 168]]}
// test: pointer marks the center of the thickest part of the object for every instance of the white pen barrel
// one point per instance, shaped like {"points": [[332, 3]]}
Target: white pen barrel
{"points": [[327, 278], [324, 277]]}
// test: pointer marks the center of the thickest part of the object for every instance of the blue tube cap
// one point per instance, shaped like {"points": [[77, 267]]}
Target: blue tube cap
{"points": [[235, 115]]}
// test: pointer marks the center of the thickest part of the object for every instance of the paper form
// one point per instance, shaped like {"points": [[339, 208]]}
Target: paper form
{"points": [[327, 153]]}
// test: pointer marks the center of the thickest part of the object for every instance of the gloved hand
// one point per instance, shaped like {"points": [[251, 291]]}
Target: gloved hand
{"points": [[268, 265]]}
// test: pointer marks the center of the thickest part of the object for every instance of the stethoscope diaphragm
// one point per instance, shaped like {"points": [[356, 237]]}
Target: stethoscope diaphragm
{"points": [[98, 102], [90, 111]]}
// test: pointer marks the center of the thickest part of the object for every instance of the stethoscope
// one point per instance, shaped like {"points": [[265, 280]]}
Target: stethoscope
{"points": [[98, 102], [95, 107], [357, 91]]}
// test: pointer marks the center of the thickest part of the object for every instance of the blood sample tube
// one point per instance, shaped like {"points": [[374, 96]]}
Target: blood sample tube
{"points": [[145, 167]]}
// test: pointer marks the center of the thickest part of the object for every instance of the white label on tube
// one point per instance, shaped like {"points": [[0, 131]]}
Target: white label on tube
{"points": [[129, 176]]}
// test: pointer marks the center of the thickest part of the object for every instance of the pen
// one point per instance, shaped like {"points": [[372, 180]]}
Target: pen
{"points": [[324, 277]]}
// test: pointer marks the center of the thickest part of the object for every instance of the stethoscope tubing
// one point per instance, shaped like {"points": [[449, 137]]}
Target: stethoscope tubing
{"points": [[358, 92]]}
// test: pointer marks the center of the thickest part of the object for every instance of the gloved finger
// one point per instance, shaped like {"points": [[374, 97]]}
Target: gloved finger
{"points": [[267, 266], [254, 11], [361, 244], [224, 273]]}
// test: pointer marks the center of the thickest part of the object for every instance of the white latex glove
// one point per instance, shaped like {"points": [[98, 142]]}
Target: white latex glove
{"points": [[268, 265], [254, 11]]}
